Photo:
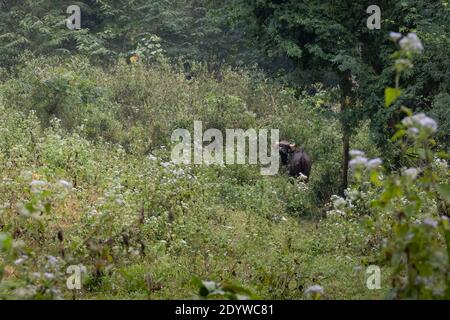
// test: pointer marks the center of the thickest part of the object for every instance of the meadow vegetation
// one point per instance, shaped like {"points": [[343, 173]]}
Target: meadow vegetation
{"points": [[92, 183], [86, 176]]}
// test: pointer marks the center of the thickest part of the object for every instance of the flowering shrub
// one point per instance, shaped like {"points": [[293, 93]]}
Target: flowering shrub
{"points": [[97, 188], [406, 209]]}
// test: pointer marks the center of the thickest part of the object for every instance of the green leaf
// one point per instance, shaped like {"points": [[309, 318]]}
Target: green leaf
{"points": [[30, 208], [444, 191], [5, 242], [47, 207], [292, 49], [399, 134], [406, 110], [391, 95], [443, 155], [375, 179], [196, 281]]}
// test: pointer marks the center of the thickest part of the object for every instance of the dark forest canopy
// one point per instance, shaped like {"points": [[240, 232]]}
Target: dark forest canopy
{"points": [[297, 42]]}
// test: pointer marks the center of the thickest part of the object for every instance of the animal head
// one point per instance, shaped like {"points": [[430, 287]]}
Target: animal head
{"points": [[285, 148]]}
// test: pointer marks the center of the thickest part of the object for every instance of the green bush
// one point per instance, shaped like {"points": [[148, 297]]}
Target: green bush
{"points": [[106, 132]]}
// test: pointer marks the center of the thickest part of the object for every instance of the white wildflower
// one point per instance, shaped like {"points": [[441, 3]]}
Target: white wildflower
{"points": [[352, 194], [93, 213], [395, 35], [120, 201], [165, 164], [411, 173], [413, 131], [440, 164], [356, 153], [358, 162], [65, 184], [178, 172], [314, 290], [49, 275], [335, 213], [407, 121], [421, 121], [412, 43], [37, 183], [425, 122], [374, 163], [430, 222], [339, 203], [52, 260]]}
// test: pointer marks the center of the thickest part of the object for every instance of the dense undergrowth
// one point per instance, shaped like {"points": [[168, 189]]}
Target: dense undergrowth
{"points": [[87, 182], [87, 179]]}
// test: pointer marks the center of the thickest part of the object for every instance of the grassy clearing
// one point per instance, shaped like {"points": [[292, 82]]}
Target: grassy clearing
{"points": [[91, 188]]}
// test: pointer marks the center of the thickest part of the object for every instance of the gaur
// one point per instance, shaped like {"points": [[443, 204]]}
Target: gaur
{"points": [[295, 159]]}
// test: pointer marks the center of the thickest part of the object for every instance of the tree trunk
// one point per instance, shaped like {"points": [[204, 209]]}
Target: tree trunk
{"points": [[345, 160], [346, 92]]}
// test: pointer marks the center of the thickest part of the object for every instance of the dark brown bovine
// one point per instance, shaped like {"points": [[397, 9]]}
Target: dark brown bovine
{"points": [[296, 159]]}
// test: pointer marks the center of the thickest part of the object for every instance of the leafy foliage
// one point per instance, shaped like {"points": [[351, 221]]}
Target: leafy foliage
{"points": [[86, 179]]}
